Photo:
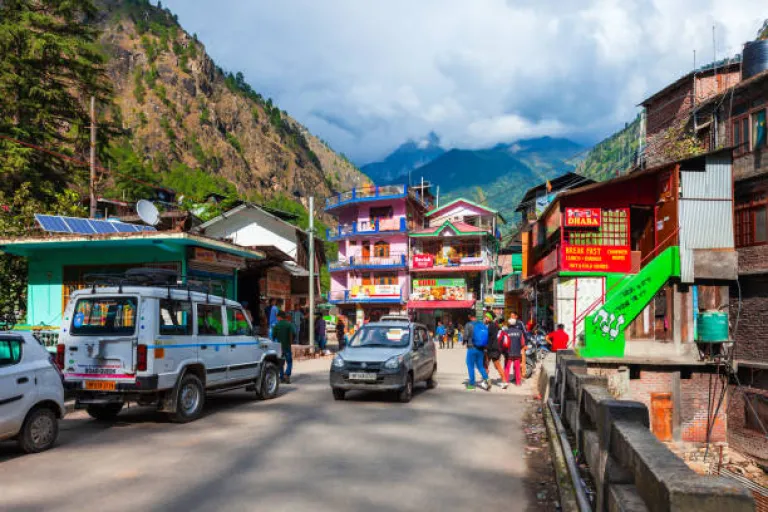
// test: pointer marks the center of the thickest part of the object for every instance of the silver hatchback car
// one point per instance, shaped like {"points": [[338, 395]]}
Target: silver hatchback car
{"points": [[385, 356]]}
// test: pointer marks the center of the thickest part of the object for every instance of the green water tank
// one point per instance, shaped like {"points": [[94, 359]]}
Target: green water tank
{"points": [[712, 327]]}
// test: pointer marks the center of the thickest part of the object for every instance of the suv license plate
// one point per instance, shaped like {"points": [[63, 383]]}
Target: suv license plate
{"points": [[362, 376], [100, 385]]}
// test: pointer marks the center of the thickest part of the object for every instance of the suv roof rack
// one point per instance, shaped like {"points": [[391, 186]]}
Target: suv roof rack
{"points": [[150, 277]]}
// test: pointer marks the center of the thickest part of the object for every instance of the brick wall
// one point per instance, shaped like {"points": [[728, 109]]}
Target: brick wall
{"points": [[746, 441], [694, 397], [750, 338]]}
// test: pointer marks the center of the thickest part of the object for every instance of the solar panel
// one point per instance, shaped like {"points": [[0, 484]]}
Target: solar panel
{"points": [[80, 226], [52, 223], [122, 227], [102, 227]]}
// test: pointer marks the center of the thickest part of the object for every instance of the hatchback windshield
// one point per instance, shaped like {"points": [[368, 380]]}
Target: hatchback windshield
{"points": [[105, 316], [380, 336]]}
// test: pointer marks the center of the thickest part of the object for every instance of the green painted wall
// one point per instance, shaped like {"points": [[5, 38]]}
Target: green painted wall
{"points": [[44, 292], [604, 329]]}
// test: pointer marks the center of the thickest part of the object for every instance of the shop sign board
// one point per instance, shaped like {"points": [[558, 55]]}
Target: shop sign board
{"points": [[423, 261], [582, 217], [597, 258], [375, 291], [439, 289], [278, 284], [209, 256]]}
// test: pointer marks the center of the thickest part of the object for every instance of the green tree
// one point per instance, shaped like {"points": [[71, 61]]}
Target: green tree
{"points": [[50, 66]]}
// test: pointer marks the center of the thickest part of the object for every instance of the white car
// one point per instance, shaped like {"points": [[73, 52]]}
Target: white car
{"points": [[161, 346], [31, 393]]}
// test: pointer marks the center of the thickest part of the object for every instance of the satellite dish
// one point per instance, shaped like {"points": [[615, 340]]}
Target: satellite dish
{"points": [[148, 212]]}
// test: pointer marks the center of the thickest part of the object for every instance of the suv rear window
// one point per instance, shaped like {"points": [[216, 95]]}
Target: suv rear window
{"points": [[105, 316]]}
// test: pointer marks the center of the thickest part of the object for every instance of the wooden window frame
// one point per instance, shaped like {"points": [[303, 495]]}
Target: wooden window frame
{"points": [[741, 147], [744, 220]]}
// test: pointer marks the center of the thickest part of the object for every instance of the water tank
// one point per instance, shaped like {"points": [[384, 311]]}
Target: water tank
{"points": [[754, 58], [713, 327]]}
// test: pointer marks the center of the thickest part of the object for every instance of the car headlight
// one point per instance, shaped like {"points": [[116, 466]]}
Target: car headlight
{"points": [[393, 363], [338, 362]]}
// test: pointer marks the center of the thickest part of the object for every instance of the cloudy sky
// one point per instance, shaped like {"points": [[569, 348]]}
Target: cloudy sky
{"points": [[367, 75]]}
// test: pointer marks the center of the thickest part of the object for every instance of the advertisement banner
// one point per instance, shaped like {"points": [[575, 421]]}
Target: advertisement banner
{"points": [[439, 289], [278, 284], [423, 261], [582, 217], [209, 256], [372, 291], [597, 258]]}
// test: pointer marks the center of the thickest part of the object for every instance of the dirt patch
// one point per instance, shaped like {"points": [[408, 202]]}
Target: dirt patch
{"points": [[540, 484]]}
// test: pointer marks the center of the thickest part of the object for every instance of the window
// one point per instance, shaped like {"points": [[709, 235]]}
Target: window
{"points": [[381, 250], [175, 317], [381, 212], [760, 405], [237, 323], [10, 352], [385, 279], [105, 316], [612, 231], [209, 320], [751, 219], [758, 130], [760, 235]]}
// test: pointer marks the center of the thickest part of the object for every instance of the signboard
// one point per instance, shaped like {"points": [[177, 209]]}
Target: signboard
{"points": [[201, 255], [582, 217], [543, 201], [439, 289], [278, 284], [374, 291], [423, 261], [597, 258]]}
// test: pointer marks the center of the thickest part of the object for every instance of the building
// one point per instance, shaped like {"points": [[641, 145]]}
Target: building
{"points": [[453, 262], [673, 109], [536, 199], [370, 277]]}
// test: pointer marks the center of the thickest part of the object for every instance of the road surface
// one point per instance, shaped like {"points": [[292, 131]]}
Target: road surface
{"points": [[449, 449]]}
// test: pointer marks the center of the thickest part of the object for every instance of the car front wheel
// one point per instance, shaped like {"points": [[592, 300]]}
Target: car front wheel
{"points": [[270, 382], [432, 380], [40, 430], [406, 393], [338, 394]]}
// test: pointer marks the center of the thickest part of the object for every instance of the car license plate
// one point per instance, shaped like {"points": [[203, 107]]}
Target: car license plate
{"points": [[100, 385], [362, 376]]}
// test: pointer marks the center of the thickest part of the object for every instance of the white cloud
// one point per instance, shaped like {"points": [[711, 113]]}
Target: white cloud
{"points": [[367, 75]]}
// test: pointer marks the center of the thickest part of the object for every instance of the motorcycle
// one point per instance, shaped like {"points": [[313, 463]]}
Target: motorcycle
{"points": [[536, 350]]}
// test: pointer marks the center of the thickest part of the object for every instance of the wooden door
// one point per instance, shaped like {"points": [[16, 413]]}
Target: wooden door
{"points": [[661, 415], [366, 251]]}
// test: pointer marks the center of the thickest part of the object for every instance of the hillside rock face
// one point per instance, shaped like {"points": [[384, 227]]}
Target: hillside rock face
{"points": [[177, 106]]}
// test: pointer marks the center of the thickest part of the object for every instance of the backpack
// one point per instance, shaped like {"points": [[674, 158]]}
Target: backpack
{"points": [[504, 342], [480, 335]]}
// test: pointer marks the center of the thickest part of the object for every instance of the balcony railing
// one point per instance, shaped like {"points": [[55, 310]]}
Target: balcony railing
{"points": [[399, 260], [376, 227], [427, 262], [373, 193], [375, 294]]}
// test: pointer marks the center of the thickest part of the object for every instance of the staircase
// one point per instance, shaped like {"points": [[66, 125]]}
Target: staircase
{"points": [[604, 329]]}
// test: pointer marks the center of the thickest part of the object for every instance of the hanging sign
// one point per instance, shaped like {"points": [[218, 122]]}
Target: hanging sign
{"points": [[439, 289], [597, 258], [582, 217], [209, 256], [423, 261]]}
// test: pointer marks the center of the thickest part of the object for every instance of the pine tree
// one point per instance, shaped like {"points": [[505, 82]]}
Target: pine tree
{"points": [[50, 67]]}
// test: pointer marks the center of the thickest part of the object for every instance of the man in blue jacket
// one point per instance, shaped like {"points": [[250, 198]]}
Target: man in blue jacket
{"points": [[473, 334]]}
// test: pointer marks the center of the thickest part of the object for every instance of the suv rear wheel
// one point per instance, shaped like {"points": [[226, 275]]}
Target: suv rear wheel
{"points": [[40, 430], [106, 412], [189, 399]]}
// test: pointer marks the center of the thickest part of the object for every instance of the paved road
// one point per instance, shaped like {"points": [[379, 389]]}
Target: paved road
{"points": [[449, 449]]}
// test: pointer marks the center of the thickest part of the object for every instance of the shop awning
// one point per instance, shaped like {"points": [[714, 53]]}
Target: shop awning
{"points": [[441, 304]]}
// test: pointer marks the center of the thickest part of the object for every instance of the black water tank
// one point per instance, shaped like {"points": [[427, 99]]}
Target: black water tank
{"points": [[755, 58]]}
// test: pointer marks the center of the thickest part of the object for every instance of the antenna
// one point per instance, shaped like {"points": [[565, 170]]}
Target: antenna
{"points": [[147, 212]]}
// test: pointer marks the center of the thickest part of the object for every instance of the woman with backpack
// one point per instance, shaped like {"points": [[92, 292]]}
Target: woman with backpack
{"points": [[515, 354], [493, 351]]}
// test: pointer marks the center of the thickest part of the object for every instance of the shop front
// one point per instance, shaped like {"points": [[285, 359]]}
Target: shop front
{"points": [[441, 299]]}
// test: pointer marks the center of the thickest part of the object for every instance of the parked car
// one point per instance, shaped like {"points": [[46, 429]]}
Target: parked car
{"points": [[31, 393], [160, 345], [385, 356]]}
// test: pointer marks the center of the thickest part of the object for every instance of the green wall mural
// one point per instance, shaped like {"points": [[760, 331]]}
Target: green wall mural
{"points": [[604, 329]]}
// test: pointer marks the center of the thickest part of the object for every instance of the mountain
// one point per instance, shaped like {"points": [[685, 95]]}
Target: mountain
{"points": [[499, 176], [614, 155], [407, 157], [186, 123]]}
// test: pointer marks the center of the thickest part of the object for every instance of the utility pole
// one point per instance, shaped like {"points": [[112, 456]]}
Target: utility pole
{"points": [[92, 186], [311, 273]]}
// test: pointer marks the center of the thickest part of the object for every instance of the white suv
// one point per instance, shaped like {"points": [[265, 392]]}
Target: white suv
{"points": [[31, 393], [160, 345]]}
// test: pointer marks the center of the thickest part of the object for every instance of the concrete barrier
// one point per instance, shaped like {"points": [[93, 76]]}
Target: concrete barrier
{"points": [[631, 468]]}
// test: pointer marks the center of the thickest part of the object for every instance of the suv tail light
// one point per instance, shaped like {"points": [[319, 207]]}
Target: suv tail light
{"points": [[60, 356], [141, 358]]}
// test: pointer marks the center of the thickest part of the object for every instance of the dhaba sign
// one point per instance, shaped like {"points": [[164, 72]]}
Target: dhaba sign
{"points": [[582, 217], [597, 258]]}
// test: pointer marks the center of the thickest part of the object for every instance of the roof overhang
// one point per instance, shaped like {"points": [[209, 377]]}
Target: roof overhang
{"points": [[447, 224], [467, 201], [29, 245], [441, 304]]}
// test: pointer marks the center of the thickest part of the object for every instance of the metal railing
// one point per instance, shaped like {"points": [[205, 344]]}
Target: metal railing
{"points": [[367, 227], [369, 192], [392, 260], [350, 296], [470, 260]]}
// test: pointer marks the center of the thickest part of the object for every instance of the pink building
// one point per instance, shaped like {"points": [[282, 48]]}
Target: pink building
{"points": [[370, 277]]}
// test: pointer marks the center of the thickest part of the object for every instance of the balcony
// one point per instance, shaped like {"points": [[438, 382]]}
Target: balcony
{"points": [[368, 294], [377, 227], [373, 193], [393, 261], [437, 263]]}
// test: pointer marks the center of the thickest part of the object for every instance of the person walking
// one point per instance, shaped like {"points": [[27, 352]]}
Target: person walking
{"points": [[476, 336], [284, 333], [272, 316], [450, 333], [320, 332], [340, 332], [515, 330], [440, 332], [493, 351], [297, 318]]}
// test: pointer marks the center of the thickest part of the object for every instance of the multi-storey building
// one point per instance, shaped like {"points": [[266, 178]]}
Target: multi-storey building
{"points": [[453, 261], [370, 276]]}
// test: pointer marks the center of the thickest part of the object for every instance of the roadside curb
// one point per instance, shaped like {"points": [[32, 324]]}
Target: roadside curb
{"points": [[565, 488]]}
